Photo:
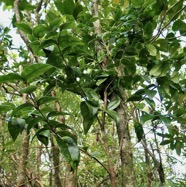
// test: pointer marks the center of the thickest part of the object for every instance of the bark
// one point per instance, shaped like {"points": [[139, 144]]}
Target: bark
{"points": [[21, 177], [148, 166], [126, 153], [70, 177], [55, 157]]}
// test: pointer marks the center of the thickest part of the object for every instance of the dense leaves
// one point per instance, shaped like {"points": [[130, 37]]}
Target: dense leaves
{"points": [[72, 75]]}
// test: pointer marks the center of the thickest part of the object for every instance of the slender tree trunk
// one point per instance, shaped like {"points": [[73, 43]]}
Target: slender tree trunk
{"points": [[55, 157], [21, 177], [70, 177], [126, 153], [148, 166]]}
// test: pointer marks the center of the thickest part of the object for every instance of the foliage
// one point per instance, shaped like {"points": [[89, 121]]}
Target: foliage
{"points": [[142, 42]]}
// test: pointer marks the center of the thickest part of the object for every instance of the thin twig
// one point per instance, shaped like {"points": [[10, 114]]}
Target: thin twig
{"points": [[85, 152], [160, 30]]}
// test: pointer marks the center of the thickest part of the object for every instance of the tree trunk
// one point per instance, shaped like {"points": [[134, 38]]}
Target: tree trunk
{"points": [[126, 154], [55, 157], [70, 177], [21, 177], [148, 166]]}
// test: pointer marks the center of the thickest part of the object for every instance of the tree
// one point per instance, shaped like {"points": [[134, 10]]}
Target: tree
{"points": [[103, 68]]}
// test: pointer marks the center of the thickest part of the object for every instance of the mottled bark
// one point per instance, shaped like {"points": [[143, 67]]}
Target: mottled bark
{"points": [[21, 177], [126, 153]]}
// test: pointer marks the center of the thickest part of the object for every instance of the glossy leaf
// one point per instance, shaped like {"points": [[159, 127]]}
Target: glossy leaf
{"points": [[113, 104], [88, 113], [34, 71], [15, 127]]}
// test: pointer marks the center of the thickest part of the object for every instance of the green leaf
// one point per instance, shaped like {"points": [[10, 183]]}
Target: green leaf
{"points": [[56, 113], [150, 93], [15, 127], [10, 78], [145, 117], [148, 29], [43, 139], [33, 122], [179, 25], [22, 108], [5, 107], [55, 60], [24, 27], [56, 23], [40, 30], [88, 113], [178, 146], [113, 104], [68, 7], [114, 115], [34, 71], [159, 69], [151, 49], [56, 124], [28, 89], [139, 131], [69, 150], [137, 3], [129, 66], [77, 10], [166, 120], [46, 99], [162, 44], [43, 136], [165, 142]]}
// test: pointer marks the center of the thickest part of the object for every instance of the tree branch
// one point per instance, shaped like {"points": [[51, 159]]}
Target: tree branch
{"points": [[160, 30], [22, 34]]}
